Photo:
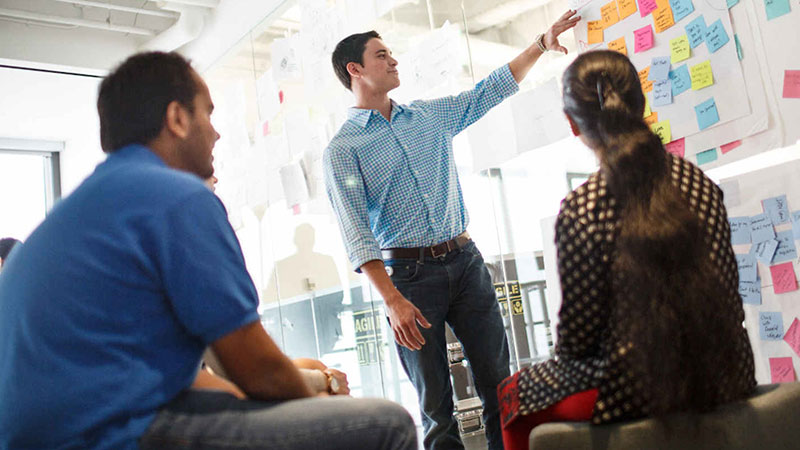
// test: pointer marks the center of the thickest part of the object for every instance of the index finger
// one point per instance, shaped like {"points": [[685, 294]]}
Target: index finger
{"points": [[568, 14], [413, 332]]}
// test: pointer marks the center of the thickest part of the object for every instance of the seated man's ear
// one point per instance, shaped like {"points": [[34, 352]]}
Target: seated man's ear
{"points": [[177, 119], [354, 69], [574, 126]]}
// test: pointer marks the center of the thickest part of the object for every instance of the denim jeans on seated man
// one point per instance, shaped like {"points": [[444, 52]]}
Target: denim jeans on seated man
{"points": [[199, 419], [455, 289]]}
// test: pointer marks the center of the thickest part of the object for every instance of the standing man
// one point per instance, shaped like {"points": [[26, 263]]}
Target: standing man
{"points": [[106, 309], [391, 179]]}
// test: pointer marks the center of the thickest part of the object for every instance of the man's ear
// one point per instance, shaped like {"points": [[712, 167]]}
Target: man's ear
{"points": [[574, 126], [177, 120], [354, 69]]}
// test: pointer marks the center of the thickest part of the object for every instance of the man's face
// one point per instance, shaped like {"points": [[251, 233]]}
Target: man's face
{"points": [[379, 69], [195, 153]]}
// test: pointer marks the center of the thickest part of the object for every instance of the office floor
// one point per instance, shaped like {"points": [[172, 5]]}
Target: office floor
{"points": [[477, 442]]}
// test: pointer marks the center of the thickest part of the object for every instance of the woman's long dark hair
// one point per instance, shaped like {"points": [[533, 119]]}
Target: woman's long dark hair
{"points": [[666, 288]]}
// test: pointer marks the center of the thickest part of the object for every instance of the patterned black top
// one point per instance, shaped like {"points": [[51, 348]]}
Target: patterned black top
{"points": [[587, 355]]}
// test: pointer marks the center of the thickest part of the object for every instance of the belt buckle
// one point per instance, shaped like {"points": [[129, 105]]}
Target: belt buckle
{"points": [[446, 246]]}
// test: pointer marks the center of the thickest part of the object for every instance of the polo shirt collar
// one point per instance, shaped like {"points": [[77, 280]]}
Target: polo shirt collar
{"points": [[361, 116], [139, 153]]}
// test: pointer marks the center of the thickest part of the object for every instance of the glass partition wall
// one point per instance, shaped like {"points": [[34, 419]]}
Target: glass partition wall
{"points": [[278, 104]]}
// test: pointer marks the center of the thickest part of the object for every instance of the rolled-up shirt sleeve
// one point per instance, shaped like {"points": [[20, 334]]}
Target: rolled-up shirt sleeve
{"points": [[344, 185]]}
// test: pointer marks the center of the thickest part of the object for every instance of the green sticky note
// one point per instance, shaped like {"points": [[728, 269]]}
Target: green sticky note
{"points": [[707, 156], [663, 131], [738, 47]]}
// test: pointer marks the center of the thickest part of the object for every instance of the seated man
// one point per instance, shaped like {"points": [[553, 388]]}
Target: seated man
{"points": [[107, 308]]}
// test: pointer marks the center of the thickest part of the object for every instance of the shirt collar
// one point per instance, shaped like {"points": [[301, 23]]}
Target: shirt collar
{"points": [[361, 116], [140, 153]]}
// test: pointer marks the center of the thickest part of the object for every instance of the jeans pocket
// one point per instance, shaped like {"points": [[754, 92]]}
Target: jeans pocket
{"points": [[402, 270]]}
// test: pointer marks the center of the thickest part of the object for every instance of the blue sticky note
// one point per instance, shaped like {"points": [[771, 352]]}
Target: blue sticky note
{"points": [[740, 230], [732, 3], [761, 228], [681, 9], [707, 114], [770, 326], [748, 270], [715, 36], [695, 31], [786, 250], [776, 8], [764, 251], [707, 156], [659, 69], [738, 47], [796, 224], [681, 80], [778, 209], [662, 93], [750, 292]]}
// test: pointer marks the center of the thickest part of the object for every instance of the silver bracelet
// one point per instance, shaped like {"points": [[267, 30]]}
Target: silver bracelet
{"points": [[540, 42]]}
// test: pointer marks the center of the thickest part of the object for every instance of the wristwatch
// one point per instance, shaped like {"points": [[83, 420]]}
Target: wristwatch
{"points": [[540, 43], [333, 384]]}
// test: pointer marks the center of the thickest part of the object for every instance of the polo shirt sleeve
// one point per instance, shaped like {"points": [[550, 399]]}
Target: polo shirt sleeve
{"points": [[202, 268], [460, 111]]}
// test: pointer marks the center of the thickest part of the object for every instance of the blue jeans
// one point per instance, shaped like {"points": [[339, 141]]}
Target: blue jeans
{"points": [[207, 420], [456, 289]]}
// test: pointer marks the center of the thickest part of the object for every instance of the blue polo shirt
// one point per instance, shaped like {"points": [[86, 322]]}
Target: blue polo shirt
{"points": [[105, 312]]}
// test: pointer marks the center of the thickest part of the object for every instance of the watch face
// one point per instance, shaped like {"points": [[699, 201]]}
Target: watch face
{"points": [[334, 385]]}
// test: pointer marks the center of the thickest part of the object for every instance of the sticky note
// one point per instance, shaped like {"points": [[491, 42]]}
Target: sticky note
{"points": [[732, 3], [644, 74], [595, 31], [702, 76], [761, 228], [626, 8], [792, 336], [791, 84], [618, 45], [796, 224], [781, 370], [783, 279], [662, 130], [777, 208], [679, 49], [786, 250], [770, 326], [647, 6], [764, 251], [707, 156], [748, 271], [776, 8], [647, 110], [750, 291], [740, 230], [738, 47], [643, 39], [695, 31], [652, 119], [707, 114], [678, 148], [715, 36], [681, 80], [659, 69], [662, 18], [609, 14], [681, 8], [725, 148], [662, 93]]}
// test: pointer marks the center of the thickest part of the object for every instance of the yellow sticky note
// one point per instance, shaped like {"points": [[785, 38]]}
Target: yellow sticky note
{"points": [[609, 14], [701, 75], [626, 8], [662, 18], [618, 45], [595, 31], [647, 85], [651, 119], [663, 131], [647, 111], [679, 49]]}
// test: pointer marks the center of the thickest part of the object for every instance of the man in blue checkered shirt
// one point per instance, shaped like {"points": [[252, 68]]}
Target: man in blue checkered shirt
{"points": [[391, 179]]}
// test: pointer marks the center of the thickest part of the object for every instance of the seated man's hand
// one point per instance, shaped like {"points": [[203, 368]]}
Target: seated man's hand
{"points": [[339, 384]]}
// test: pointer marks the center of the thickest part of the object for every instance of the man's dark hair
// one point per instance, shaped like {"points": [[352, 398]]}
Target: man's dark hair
{"points": [[133, 98], [6, 244], [350, 49]]}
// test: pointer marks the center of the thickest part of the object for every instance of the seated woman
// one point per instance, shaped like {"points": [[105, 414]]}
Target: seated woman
{"points": [[651, 319]]}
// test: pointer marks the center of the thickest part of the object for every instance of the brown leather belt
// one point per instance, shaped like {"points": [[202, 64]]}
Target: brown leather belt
{"points": [[435, 251]]}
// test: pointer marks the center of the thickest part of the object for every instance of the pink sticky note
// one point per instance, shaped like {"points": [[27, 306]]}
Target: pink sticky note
{"points": [[783, 279], [729, 146], [647, 6], [781, 369], [792, 336], [643, 39], [265, 128], [677, 147], [791, 84]]}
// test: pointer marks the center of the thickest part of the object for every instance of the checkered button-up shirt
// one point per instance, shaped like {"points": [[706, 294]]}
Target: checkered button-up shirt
{"points": [[394, 183]]}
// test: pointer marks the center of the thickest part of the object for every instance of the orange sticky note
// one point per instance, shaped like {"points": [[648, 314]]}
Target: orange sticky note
{"points": [[626, 8], [651, 119], [595, 31], [662, 18], [618, 45], [647, 86], [609, 14]]}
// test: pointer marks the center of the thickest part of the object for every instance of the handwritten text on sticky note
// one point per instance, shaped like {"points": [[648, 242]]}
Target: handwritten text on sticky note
{"points": [[594, 31], [643, 39], [716, 36], [678, 148], [786, 250], [618, 45], [662, 18], [770, 326], [748, 271], [792, 336], [777, 208], [662, 130], [707, 113], [740, 229], [750, 291], [702, 76], [764, 251], [791, 84], [783, 279], [626, 8], [781, 370], [679, 49], [695, 31], [761, 228], [609, 14]]}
